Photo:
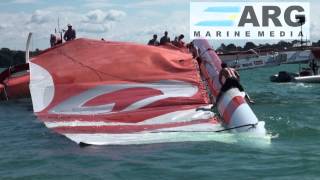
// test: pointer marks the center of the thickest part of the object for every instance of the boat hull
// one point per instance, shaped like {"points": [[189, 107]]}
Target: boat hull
{"points": [[236, 114], [172, 136], [178, 126], [308, 79], [14, 83], [17, 88], [283, 77]]}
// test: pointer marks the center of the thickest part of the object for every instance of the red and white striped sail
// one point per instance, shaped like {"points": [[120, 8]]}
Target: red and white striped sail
{"points": [[99, 92]]}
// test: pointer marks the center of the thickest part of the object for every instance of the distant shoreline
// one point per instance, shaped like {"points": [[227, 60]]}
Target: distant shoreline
{"points": [[13, 57]]}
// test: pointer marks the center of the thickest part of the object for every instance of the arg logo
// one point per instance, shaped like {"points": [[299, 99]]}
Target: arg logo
{"points": [[249, 20]]}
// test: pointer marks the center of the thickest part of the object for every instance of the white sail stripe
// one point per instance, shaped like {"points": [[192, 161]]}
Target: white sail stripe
{"points": [[41, 87], [173, 117], [168, 88]]}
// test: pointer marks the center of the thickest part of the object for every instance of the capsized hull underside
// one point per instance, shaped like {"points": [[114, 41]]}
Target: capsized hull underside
{"points": [[193, 133], [198, 124], [170, 137]]}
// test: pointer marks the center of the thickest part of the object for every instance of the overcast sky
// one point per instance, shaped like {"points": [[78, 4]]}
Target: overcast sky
{"points": [[119, 20]]}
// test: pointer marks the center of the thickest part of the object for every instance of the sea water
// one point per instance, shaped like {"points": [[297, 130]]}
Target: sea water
{"points": [[291, 112]]}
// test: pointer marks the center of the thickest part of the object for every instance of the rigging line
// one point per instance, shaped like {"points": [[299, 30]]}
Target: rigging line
{"points": [[94, 70], [221, 130], [237, 127], [81, 64]]}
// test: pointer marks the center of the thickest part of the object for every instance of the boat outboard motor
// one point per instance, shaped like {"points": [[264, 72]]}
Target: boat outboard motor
{"points": [[284, 76], [305, 73]]}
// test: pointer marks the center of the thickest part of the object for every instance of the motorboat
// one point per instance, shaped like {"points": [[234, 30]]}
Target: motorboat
{"points": [[304, 76]]}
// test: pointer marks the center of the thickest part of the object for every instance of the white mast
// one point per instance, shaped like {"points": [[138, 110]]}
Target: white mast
{"points": [[28, 47]]}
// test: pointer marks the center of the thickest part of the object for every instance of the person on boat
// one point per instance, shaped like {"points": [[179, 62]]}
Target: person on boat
{"points": [[230, 78], [165, 39], [70, 34], [58, 39], [154, 41], [314, 67], [180, 42], [53, 40], [193, 50], [175, 41]]}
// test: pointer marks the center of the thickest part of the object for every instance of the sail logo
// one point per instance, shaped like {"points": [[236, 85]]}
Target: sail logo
{"points": [[113, 98], [249, 20]]}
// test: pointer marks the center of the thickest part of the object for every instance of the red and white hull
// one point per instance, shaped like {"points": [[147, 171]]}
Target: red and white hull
{"points": [[235, 112], [307, 79]]}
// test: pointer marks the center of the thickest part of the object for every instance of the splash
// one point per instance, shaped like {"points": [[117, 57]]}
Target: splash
{"points": [[303, 85]]}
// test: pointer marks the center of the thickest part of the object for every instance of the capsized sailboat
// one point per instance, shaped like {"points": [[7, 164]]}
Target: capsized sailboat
{"points": [[101, 93]]}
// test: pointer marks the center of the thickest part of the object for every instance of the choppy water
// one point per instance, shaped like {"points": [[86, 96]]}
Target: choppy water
{"points": [[291, 111]]}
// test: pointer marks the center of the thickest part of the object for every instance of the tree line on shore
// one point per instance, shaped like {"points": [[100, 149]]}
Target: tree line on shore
{"points": [[13, 57], [281, 45]]}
